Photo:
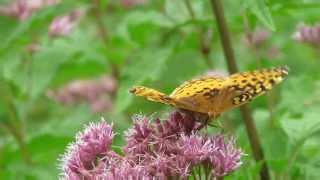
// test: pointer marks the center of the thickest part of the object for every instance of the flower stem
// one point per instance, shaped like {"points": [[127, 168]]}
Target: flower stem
{"points": [[189, 8], [20, 140], [194, 175], [256, 147]]}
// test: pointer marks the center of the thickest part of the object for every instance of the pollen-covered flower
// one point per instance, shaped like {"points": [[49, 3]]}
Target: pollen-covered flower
{"points": [[308, 34]]}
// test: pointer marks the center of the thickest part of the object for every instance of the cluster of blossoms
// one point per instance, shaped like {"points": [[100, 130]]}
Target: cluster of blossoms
{"points": [[96, 92], [257, 40], [169, 149], [22, 9], [258, 37], [308, 34], [63, 25]]}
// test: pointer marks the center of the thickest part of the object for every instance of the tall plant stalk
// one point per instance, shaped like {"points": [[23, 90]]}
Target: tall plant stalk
{"points": [[256, 147]]}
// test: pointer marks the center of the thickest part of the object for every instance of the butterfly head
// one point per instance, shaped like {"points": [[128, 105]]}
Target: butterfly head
{"points": [[137, 90]]}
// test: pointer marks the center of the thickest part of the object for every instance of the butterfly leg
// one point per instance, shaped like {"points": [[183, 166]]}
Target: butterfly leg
{"points": [[203, 121], [215, 117]]}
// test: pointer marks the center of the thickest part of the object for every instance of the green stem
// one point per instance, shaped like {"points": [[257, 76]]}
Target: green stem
{"points": [[189, 8], [14, 124], [19, 138], [194, 175], [256, 147]]}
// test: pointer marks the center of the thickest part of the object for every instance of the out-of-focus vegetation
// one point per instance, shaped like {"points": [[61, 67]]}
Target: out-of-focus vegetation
{"points": [[66, 63]]}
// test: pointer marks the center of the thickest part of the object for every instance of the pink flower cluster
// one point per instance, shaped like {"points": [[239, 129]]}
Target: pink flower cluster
{"points": [[308, 34], [63, 25], [258, 39], [88, 155], [96, 92], [22, 9], [169, 149]]}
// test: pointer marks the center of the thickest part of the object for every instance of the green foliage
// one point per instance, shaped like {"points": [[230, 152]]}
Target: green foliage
{"points": [[157, 44]]}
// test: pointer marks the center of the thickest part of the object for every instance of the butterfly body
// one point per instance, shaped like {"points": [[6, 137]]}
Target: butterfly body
{"points": [[214, 95]]}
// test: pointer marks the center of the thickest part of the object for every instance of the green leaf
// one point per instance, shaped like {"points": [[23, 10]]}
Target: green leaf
{"points": [[301, 127], [262, 11]]}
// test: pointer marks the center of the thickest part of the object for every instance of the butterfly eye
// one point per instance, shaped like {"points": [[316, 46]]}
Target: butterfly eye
{"points": [[136, 90], [133, 90]]}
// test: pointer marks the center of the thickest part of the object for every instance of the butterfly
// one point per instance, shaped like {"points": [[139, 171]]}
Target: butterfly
{"points": [[215, 95]]}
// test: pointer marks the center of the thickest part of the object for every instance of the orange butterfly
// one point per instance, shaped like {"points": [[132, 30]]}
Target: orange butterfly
{"points": [[215, 95]]}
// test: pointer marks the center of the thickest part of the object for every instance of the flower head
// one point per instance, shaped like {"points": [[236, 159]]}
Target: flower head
{"points": [[90, 151], [258, 40], [22, 9], [226, 157], [308, 34], [154, 150], [63, 25], [258, 37], [95, 91]]}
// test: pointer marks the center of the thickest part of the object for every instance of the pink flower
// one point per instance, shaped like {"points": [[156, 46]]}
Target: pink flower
{"points": [[258, 37], [168, 149], [96, 92], [195, 148], [139, 136], [225, 158], [308, 34], [258, 40], [22, 9], [63, 25], [90, 153], [173, 147], [124, 170]]}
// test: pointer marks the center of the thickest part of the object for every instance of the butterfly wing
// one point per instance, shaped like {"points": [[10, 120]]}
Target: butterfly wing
{"points": [[199, 95], [241, 88], [214, 95]]}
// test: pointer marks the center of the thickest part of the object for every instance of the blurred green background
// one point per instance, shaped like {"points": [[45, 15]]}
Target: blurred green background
{"points": [[66, 63]]}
